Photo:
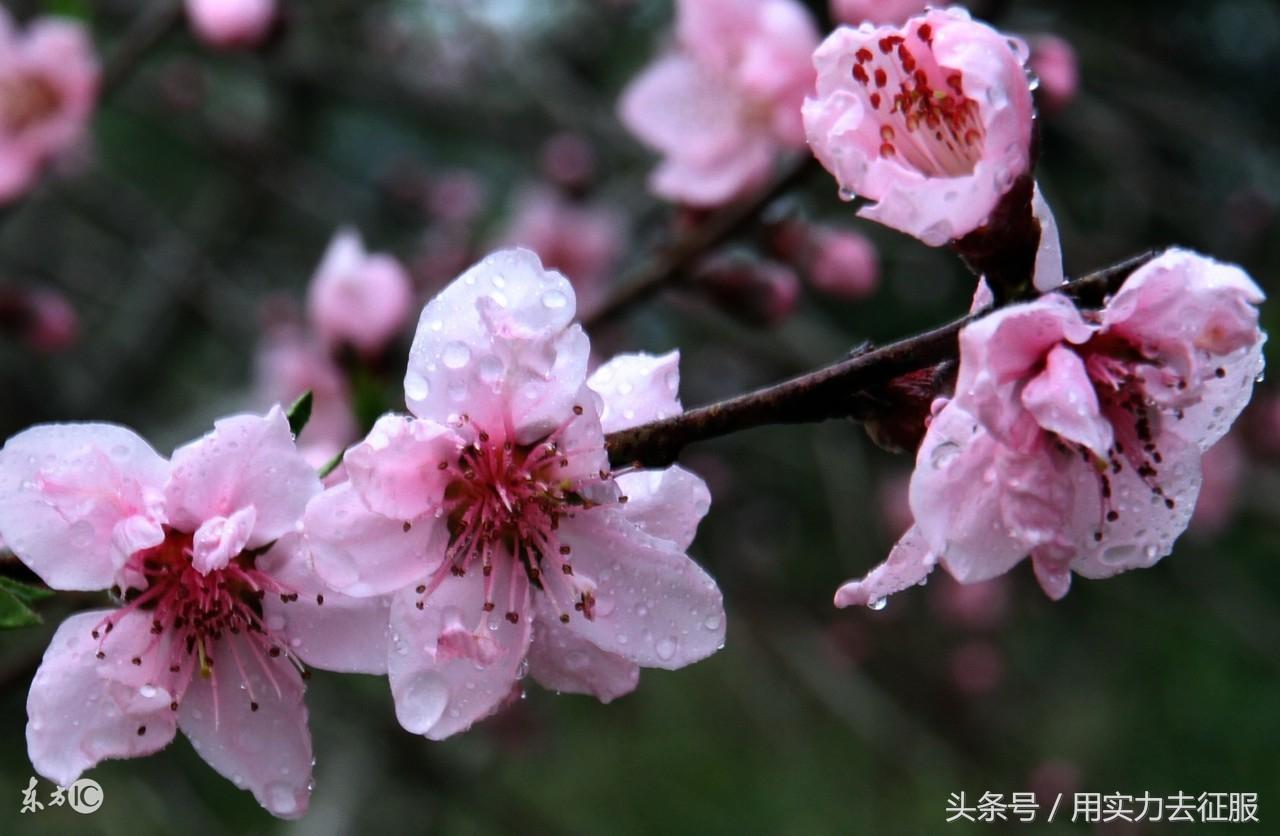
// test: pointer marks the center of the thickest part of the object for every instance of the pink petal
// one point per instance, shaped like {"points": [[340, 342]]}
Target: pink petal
{"points": [[637, 388], [76, 718], [497, 345], [667, 504], [999, 351], [1063, 401], [231, 23], [395, 470], [680, 107], [448, 669], [711, 181], [67, 490], [1047, 272], [361, 553], [561, 660], [1145, 527], [246, 460], [219, 539], [344, 634], [654, 605], [909, 562], [956, 504], [267, 750]]}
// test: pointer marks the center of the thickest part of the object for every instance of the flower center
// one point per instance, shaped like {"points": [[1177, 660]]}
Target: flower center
{"points": [[190, 611], [26, 100], [504, 507], [925, 120]]}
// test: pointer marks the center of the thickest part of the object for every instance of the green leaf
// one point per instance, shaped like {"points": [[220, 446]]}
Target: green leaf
{"points": [[15, 613], [25, 591], [300, 413]]}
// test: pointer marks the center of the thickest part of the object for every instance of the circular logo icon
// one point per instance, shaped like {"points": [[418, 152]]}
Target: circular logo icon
{"points": [[85, 795]]}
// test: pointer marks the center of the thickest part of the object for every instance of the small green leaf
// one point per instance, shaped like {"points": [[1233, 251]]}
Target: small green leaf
{"points": [[300, 413], [68, 8], [331, 465], [15, 613], [25, 591]]}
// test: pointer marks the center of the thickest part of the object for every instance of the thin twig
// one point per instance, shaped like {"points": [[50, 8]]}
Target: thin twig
{"points": [[827, 392], [148, 29], [669, 265]]}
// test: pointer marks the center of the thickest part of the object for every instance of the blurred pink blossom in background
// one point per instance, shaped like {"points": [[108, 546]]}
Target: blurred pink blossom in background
{"points": [[1053, 62], [48, 88], [725, 101], [1224, 468], [192, 541], [358, 298], [493, 520], [288, 365], [931, 120], [231, 23], [582, 240]]}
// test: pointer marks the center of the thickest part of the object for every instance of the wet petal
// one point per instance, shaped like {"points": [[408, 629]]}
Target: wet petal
{"points": [[68, 490], [561, 660]]}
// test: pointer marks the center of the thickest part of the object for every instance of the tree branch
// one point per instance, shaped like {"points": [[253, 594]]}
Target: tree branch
{"points": [[667, 266], [828, 392], [147, 30]]}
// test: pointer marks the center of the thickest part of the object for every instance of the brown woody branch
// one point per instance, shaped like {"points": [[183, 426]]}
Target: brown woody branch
{"points": [[831, 392]]}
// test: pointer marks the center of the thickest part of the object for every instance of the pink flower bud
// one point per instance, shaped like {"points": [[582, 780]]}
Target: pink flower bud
{"points": [[229, 24], [358, 298], [758, 292], [844, 263], [568, 159], [52, 323], [931, 120], [1053, 62]]}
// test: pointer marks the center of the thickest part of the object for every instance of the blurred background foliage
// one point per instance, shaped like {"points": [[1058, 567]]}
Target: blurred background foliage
{"points": [[215, 181]]}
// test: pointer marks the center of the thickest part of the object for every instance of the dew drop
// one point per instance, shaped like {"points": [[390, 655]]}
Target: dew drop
{"points": [[456, 355]]}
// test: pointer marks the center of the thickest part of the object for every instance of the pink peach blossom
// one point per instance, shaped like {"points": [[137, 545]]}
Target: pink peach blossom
{"points": [[725, 101], [581, 240], [219, 609], [1076, 438], [493, 519], [48, 87], [854, 12], [1053, 62], [358, 298], [231, 23], [932, 120]]}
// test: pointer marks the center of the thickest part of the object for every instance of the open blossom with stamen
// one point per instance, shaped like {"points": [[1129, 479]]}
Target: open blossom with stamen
{"points": [[726, 100], [1076, 438], [358, 298], [932, 120], [48, 87], [218, 610], [494, 518], [231, 23]]}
